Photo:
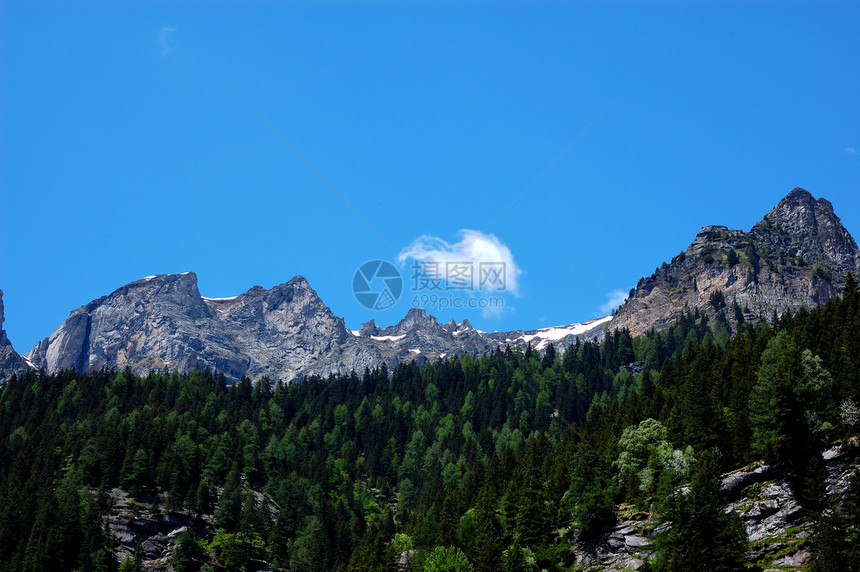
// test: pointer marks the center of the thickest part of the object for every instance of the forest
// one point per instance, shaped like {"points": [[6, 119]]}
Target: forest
{"points": [[512, 460]]}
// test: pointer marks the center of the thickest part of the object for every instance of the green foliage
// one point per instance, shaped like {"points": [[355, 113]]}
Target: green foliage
{"points": [[773, 408], [703, 536], [717, 300], [821, 272], [587, 503], [237, 551], [188, 553], [647, 462], [450, 559], [732, 258]]}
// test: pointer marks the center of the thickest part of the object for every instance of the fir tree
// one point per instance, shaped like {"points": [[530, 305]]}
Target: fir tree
{"points": [[703, 536]]}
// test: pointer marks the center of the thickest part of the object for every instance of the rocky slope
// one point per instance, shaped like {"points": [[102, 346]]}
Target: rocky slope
{"points": [[10, 361], [285, 333], [797, 256], [778, 530]]}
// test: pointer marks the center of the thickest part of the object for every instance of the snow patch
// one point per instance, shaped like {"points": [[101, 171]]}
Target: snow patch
{"points": [[388, 338], [28, 362], [546, 335], [356, 333], [415, 351], [219, 299]]}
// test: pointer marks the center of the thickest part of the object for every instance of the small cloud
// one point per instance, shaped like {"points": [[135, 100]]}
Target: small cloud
{"points": [[164, 40], [475, 252], [613, 300], [850, 151]]}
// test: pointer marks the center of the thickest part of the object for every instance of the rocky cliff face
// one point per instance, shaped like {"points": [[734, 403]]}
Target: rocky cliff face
{"points": [[797, 256], [159, 322], [285, 333], [10, 361]]}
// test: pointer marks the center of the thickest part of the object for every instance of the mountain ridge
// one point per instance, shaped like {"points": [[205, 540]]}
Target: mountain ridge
{"points": [[283, 333], [798, 255]]}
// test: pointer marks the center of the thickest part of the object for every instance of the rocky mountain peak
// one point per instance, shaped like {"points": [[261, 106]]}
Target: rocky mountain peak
{"points": [[795, 212], [369, 328], [798, 255], [416, 318], [808, 229], [162, 322]]}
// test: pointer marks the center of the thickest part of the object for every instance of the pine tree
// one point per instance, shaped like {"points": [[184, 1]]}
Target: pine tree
{"points": [[372, 554], [703, 536]]}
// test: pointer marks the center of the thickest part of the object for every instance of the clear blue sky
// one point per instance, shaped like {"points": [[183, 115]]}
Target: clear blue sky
{"points": [[131, 141]]}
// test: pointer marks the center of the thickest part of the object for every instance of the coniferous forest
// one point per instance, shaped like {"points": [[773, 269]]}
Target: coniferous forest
{"points": [[514, 460]]}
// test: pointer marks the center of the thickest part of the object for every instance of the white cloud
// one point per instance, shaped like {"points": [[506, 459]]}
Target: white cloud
{"points": [[613, 300], [850, 151], [481, 252], [164, 40]]}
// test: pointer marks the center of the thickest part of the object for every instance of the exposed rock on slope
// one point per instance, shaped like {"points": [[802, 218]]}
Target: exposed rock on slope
{"points": [[798, 256], [287, 332], [778, 530], [10, 361], [159, 322]]}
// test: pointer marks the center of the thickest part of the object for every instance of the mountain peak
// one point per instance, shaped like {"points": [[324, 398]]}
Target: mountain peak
{"points": [[797, 256], [415, 318], [188, 277], [299, 281], [798, 194]]}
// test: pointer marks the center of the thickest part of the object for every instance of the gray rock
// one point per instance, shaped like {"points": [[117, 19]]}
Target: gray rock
{"points": [[284, 333], [801, 257], [10, 361], [636, 541], [796, 560]]}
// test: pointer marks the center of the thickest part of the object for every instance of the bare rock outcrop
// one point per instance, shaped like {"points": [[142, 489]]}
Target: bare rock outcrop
{"points": [[798, 256]]}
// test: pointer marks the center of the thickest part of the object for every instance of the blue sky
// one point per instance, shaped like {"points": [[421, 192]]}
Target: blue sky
{"points": [[133, 142]]}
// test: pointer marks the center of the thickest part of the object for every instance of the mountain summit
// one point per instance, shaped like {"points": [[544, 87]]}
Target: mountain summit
{"points": [[797, 256]]}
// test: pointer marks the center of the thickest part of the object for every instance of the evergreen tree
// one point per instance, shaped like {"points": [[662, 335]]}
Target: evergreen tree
{"points": [[702, 535]]}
